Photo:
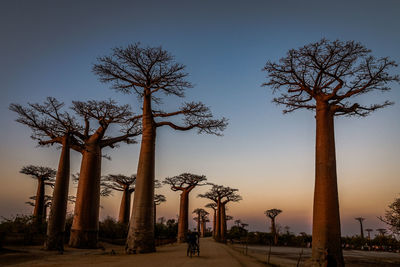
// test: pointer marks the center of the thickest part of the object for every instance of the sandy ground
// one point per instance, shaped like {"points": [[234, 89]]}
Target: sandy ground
{"points": [[289, 256], [211, 254]]}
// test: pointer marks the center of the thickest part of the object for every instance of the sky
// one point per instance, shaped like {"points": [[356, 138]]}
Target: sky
{"points": [[47, 48]]}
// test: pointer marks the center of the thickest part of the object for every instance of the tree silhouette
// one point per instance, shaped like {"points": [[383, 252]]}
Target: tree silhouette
{"points": [[50, 125], [392, 217], [126, 185], [381, 231], [104, 114], [272, 213], [369, 233], [360, 220], [147, 72], [221, 195], [184, 182], [213, 206], [44, 176], [158, 199], [327, 77], [47, 203], [201, 213]]}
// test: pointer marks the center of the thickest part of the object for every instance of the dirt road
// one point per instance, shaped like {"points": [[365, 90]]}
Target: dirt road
{"points": [[211, 254]]}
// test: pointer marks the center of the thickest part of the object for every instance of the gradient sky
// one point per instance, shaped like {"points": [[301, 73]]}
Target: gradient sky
{"points": [[47, 48]]}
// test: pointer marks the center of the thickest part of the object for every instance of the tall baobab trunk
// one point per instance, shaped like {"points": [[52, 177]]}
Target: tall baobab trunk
{"points": [[273, 231], [39, 202], [217, 235], [141, 228], [183, 220], [85, 225], [125, 208], [198, 223], [326, 241], [203, 228], [214, 222], [58, 211], [222, 224]]}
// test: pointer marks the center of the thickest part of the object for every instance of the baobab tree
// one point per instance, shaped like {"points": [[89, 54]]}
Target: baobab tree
{"points": [[185, 183], [46, 201], [147, 72], [221, 196], [272, 213], [369, 233], [44, 176], [204, 219], [51, 125], [327, 77], [381, 231], [104, 114], [360, 220], [158, 199], [126, 185], [213, 206], [200, 214]]}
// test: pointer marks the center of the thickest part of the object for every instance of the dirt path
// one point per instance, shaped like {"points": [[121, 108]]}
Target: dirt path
{"points": [[211, 254]]}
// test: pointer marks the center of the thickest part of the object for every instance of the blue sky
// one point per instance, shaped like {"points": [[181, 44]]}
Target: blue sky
{"points": [[47, 48]]}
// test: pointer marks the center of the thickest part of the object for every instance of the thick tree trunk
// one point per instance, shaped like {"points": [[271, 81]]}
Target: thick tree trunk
{"points": [[183, 220], [203, 228], [214, 222], [125, 207], [141, 227], [58, 210], [362, 230], [85, 225], [273, 231], [198, 222], [326, 236], [223, 224], [39, 202], [217, 236]]}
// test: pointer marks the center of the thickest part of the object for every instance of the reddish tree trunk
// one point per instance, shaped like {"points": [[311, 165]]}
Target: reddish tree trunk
{"points": [[183, 220], [326, 241], [58, 211], [217, 236], [198, 223], [222, 224], [214, 222], [141, 228], [203, 228], [125, 207], [85, 225], [39, 202]]}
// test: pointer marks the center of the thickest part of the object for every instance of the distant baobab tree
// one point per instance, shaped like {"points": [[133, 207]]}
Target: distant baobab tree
{"points": [[51, 125], [147, 72], [325, 76], [272, 213], [392, 217], [158, 199], [200, 214], [369, 232], [104, 114], [126, 185], [185, 183], [360, 220], [221, 195], [47, 203], [44, 176], [213, 206], [381, 231]]}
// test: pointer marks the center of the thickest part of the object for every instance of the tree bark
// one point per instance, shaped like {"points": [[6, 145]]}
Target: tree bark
{"points": [[362, 230], [273, 231], [326, 241], [183, 221], [214, 222], [39, 202], [125, 207], [141, 228], [85, 225], [203, 228], [198, 223], [222, 224], [217, 236], [58, 210]]}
